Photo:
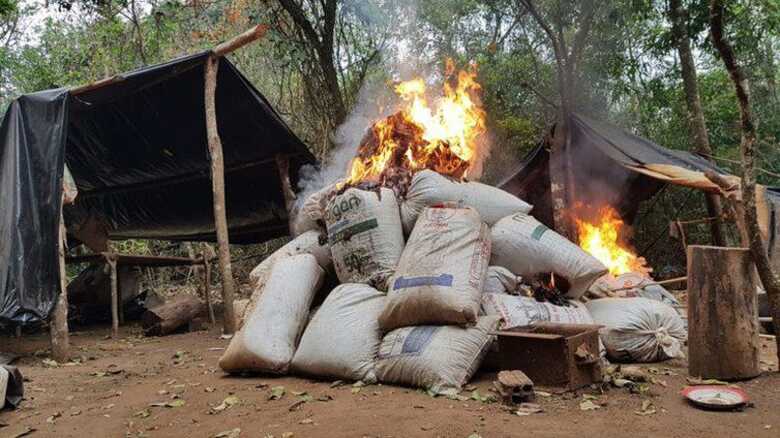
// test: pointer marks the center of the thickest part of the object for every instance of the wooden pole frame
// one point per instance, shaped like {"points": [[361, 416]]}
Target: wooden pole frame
{"points": [[60, 337], [111, 260], [218, 168]]}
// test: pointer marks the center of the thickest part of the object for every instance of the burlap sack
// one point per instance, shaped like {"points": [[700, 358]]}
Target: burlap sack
{"points": [[442, 271], [267, 341]]}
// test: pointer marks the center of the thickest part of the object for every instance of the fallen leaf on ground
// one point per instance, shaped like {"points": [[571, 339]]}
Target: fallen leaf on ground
{"points": [[337, 383], [209, 389], [287, 435], [277, 392], [588, 405], [226, 403], [542, 394], [21, 431], [53, 417], [325, 398], [142, 414], [295, 406], [647, 408], [233, 433], [356, 390], [475, 435], [307, 421], [50, 363]]}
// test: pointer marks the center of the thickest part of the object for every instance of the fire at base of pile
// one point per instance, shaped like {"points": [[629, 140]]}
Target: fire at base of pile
{"points": [[427, 274]]}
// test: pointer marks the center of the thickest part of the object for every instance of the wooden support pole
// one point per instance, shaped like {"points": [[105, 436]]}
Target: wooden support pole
{"points": [[60, 338], [207, 286], [723, 340], [283, 166], [218, 189], [111, 260], [241, 40]]}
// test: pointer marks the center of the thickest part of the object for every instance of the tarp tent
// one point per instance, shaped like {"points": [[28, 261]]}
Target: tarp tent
{"points": [[608, 165], [137, 149]]}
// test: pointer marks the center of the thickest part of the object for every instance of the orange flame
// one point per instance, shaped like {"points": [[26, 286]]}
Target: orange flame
{"points": [[602, 240], [443, 138]]}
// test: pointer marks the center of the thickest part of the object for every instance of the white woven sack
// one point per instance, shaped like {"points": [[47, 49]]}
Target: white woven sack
{"points": [[342, 339], [501, 280], [267, 341], [310, 214], [310, 242], [518, 311], [429, 188], [440, 359], [639, 329], [440, 276], [365, 236], [527, 247]]}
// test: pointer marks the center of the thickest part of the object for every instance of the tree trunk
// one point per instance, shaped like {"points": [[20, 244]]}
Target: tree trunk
{"points": [[698, 126], [757, 249], [723, 338], [60, 338], [218, 188], [169, 317]]}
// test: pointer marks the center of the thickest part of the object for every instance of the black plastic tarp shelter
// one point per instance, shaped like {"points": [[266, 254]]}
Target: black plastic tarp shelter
{"points": [[137, 149], [609, 166]]}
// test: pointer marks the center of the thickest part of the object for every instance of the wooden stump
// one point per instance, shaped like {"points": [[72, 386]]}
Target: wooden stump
{"points": [[723, 340], [167, 318]]}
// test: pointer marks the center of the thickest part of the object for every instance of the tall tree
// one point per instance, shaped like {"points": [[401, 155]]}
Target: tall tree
{"points": [[747, 149], [678, 16]]}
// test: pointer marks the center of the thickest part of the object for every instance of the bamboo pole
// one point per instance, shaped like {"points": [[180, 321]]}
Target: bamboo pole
{"points": [[218, 188], [60, 338]]}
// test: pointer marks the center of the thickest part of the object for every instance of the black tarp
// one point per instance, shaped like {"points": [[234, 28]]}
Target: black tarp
{"points": [[138, 153], [597, 155]]}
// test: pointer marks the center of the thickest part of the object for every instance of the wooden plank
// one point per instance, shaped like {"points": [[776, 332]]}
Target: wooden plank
{"points": [[114, 297]]}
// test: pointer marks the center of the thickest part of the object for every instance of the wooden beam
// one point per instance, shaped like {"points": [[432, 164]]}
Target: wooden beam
{"points": [[60, 337], [95, 85], [241, 40], [111, 260], [218, 189]]}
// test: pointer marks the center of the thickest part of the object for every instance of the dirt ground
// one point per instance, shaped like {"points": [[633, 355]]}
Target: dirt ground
{"points": [[110, 389]]}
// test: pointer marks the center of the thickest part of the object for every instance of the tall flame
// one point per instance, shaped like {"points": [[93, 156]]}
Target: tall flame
{"points": [[601, 238], [443, 137]]}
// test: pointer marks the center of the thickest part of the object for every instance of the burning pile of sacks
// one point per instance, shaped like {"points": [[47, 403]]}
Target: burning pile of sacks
{"points": [[425, 277]]}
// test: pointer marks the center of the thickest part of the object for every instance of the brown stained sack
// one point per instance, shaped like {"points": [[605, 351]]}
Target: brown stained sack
{"points": [[527, 247], [270, 334], [429, 188], [440, 358], [310, 214], [342, 339], [310, 242], [440, 276], [365, 236]]}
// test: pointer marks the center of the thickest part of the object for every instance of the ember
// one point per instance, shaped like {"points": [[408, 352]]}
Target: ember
{"points": [[417, 137]]}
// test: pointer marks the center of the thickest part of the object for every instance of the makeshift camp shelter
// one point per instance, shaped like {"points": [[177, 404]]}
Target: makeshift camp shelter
{"points": [[605, 164], [143, 160]]}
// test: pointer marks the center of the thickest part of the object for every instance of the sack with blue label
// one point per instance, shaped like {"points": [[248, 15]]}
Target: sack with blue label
{"points": [[440, 359], [365, 235], [441, 274]]}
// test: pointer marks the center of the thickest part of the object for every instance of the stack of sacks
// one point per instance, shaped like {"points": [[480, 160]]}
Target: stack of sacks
{"points": [[435, 338], [527, 247], [267, 341]]}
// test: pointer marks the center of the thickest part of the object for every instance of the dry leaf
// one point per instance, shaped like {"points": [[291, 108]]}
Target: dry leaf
{"points": [[307, 421], [277, 392], [588, 405], [233, 433]]}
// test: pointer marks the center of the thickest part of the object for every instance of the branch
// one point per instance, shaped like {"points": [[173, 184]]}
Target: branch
{"points": [[296, 12], [239, 41]]}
